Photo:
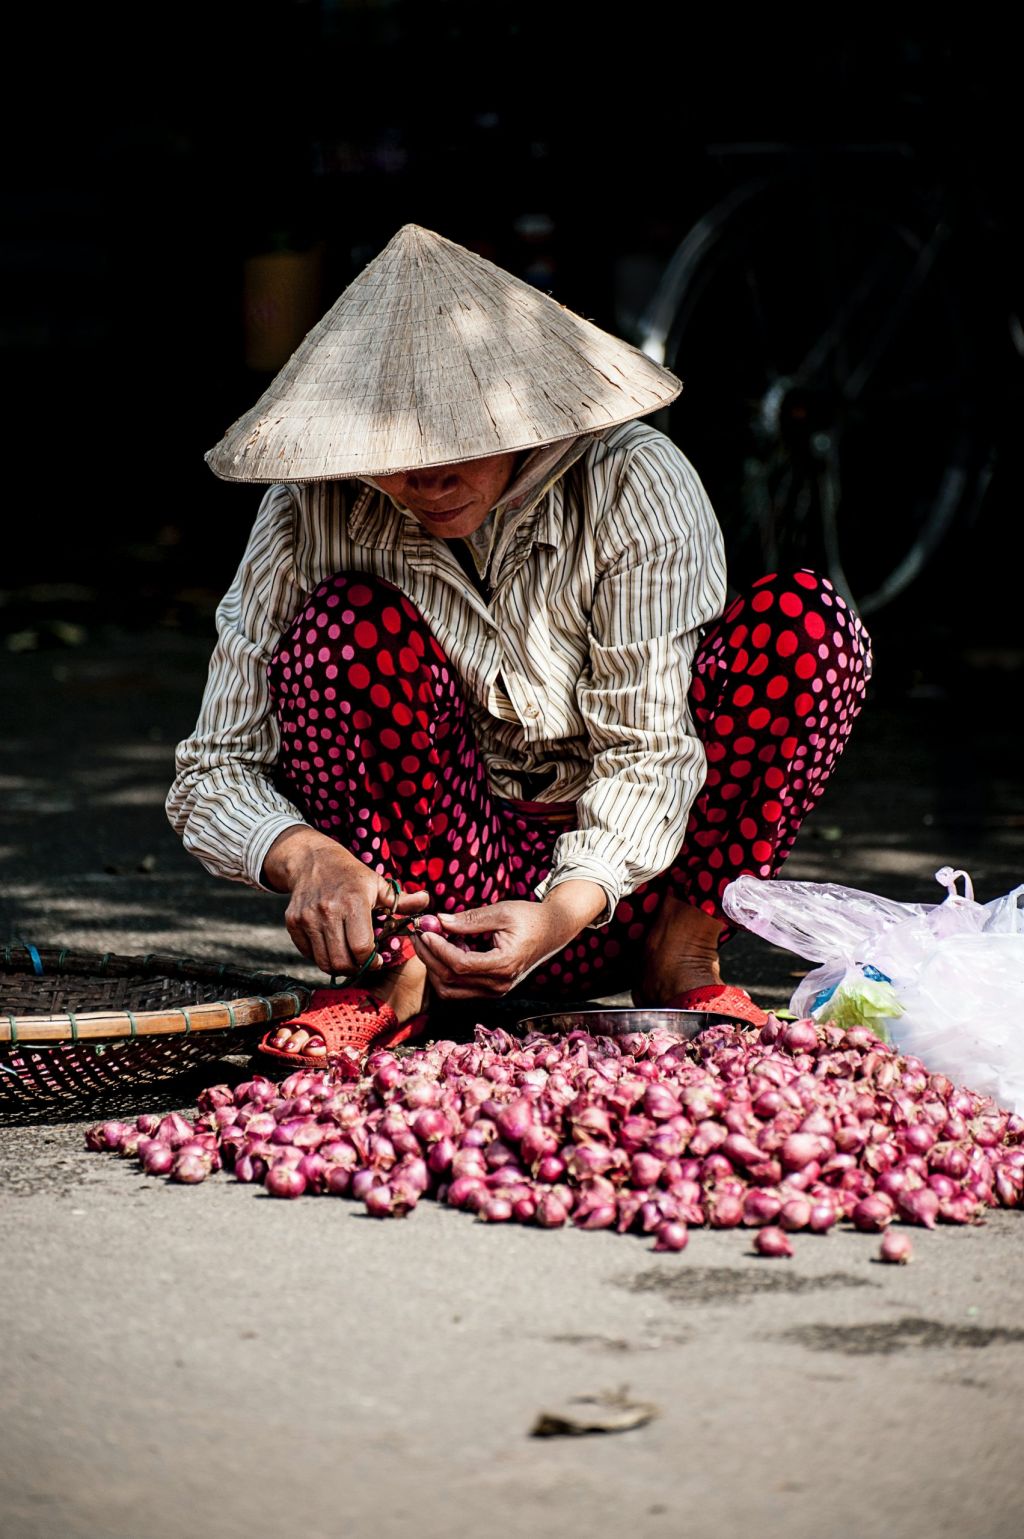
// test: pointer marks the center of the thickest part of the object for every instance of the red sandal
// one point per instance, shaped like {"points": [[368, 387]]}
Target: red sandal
{"points": [[345, 1018], [721, 999]]}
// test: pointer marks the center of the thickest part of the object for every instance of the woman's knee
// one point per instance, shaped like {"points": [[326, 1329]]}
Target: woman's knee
{"points": [[357, 627], [797, 621], [360, 656], [346, 599]]}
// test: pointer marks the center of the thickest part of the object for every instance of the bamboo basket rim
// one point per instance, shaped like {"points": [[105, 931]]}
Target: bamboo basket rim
{"points": [[280, 998]]}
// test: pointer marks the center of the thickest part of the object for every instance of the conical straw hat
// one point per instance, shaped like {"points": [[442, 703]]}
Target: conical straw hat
{"points": [[430, 356]]}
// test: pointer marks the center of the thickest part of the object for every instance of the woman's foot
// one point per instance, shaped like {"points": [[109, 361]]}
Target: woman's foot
{"points": [[403, 988], [681, 966], [681, 953]]}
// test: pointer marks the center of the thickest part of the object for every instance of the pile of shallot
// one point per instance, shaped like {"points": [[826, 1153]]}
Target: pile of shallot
{"points": [[795, 1128]]}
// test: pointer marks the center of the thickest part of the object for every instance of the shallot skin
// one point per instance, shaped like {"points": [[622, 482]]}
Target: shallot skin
{"points": [[896, 1247], [284, 1182], [773, 1242], [158, 1161], [872, 1214], [190, 1168]]}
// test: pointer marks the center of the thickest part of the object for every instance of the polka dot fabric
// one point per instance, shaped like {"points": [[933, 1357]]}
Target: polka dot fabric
{"points": [[777, 687], [377, 751]]}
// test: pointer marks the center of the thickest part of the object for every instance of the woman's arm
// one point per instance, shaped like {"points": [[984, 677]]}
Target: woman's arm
{"points": [[222, 802], [662, 577]]}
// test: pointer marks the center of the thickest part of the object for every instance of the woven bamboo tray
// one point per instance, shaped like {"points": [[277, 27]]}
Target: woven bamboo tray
{"points": [[75, 1026]]}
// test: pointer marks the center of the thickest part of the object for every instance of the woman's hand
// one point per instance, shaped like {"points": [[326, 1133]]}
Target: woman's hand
{"points": [[333, 898], [522, 936]]}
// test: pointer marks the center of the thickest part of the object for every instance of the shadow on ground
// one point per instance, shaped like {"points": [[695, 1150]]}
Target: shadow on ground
{"points": [[930, 777]]}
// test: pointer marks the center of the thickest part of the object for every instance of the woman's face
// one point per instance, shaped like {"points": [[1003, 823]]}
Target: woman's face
{"points": [[452, 501]]}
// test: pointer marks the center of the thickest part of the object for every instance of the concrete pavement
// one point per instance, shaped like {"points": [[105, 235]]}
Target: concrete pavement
{"points": [[210, 1359]]}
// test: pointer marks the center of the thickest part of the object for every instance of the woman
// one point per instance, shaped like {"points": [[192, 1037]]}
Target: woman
{"points": [[475, 660]]}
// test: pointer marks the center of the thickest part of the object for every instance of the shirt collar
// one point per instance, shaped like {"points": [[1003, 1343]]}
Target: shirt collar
{"points": [[373, 519], [540, 469]]}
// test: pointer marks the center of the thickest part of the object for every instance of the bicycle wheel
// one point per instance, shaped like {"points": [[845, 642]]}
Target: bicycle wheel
{"points": [[831, 400]]}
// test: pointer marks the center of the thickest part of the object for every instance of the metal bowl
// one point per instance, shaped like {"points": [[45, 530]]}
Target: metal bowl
{"points": [[618, 1023]]}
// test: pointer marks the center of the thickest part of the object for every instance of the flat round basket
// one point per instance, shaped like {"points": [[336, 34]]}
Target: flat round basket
{"points": [[75, 1026]]}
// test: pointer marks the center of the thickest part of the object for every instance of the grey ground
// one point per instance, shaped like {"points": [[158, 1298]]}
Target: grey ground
{"points": [[210, 1360]]}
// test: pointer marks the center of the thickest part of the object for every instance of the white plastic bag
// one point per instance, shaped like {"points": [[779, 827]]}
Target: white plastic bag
{"points": [[952, 973]]}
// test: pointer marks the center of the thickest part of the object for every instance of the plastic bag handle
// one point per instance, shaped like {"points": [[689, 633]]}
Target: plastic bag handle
{"points": [[947, 877]]}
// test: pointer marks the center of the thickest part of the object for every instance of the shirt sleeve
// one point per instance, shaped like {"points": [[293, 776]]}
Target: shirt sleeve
{"points": [[661, 578], [223, 803]]}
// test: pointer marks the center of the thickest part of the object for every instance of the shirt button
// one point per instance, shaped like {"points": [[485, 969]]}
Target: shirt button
{"points": [[531, 711]]}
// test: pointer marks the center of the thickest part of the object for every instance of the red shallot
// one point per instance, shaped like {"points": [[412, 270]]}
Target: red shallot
{"points": [[796, 1128], [895, 1247], [773, 1242], [283, 1181]]}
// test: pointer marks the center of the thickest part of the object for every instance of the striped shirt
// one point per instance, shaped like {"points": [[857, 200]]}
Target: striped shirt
{"points": [[577, 668]]}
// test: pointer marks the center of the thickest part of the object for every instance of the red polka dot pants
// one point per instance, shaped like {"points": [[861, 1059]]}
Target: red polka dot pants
{"points": [[377, 751]]}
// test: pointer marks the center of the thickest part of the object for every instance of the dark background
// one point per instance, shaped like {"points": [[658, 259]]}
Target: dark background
{"points": [[159, 157]]}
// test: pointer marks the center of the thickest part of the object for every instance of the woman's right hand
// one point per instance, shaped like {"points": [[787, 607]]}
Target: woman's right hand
{"points": [[333, 898]]}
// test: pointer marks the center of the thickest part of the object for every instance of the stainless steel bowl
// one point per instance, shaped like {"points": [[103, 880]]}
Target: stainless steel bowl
{"points": [[617, 1023]]}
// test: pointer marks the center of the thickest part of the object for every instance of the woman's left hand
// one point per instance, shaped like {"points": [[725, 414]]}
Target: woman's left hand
{"points": [[522, 935]]}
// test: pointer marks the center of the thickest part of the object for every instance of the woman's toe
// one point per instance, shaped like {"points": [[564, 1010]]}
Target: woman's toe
{"points": [[297, 1040]]}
